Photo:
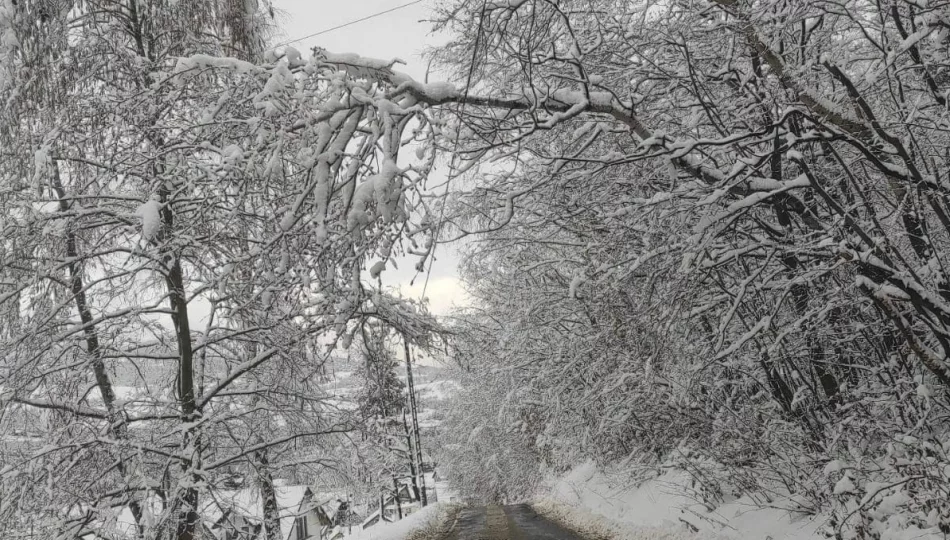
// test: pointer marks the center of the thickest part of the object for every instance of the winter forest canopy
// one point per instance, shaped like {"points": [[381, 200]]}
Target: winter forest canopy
{"points": [[704, 234]]}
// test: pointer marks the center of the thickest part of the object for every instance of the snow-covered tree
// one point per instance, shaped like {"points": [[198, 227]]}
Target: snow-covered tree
{"points": [[184, 231], [715, 225], [382, 394]]}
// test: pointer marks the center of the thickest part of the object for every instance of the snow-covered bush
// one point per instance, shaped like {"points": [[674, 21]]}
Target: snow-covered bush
{"points": [[486, 455]]}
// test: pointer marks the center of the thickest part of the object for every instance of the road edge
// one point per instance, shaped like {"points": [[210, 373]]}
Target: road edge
{"points": [[441, 526]]}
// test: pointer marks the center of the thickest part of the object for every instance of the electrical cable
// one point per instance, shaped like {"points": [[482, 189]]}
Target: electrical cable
{"points": [[344, 25], [448, 182]]}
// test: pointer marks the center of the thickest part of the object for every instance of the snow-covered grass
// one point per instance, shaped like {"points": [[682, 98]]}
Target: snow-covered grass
{"points": [[415, 526], [588, 501]]}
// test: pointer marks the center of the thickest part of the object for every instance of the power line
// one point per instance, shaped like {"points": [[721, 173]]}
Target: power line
{"points": [[461, 106], [344, 25]]}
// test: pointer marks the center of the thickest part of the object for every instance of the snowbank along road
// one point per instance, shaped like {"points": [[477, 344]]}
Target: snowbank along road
{"points": [[516, 522]]}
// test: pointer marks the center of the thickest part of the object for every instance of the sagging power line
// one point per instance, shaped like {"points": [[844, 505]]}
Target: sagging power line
{"points": [[351, 23]]}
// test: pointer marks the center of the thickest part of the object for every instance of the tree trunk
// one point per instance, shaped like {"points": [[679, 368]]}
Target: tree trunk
{"points": [[117, 427], [268, 497], [191, 436]]}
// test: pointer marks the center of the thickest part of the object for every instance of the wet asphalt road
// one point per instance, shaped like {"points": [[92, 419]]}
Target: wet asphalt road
{"points": [[514, 522]]}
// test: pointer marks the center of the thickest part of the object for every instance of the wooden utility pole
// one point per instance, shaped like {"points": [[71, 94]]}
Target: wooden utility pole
{"points": [[415, 421]]}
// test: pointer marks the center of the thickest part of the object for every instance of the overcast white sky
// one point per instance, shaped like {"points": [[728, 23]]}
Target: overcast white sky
{"points": [[403, 34], [400, 34]]}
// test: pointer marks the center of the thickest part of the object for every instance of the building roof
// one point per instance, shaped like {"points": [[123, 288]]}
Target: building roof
{"points": [[292, 501]]}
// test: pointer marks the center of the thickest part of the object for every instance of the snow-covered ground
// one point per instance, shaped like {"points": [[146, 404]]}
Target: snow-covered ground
{"points": [[588, 501], [435, 390], [431, 515]]}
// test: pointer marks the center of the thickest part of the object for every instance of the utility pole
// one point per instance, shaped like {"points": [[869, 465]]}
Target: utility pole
{"points": [[413, 412], [410, 445]]}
